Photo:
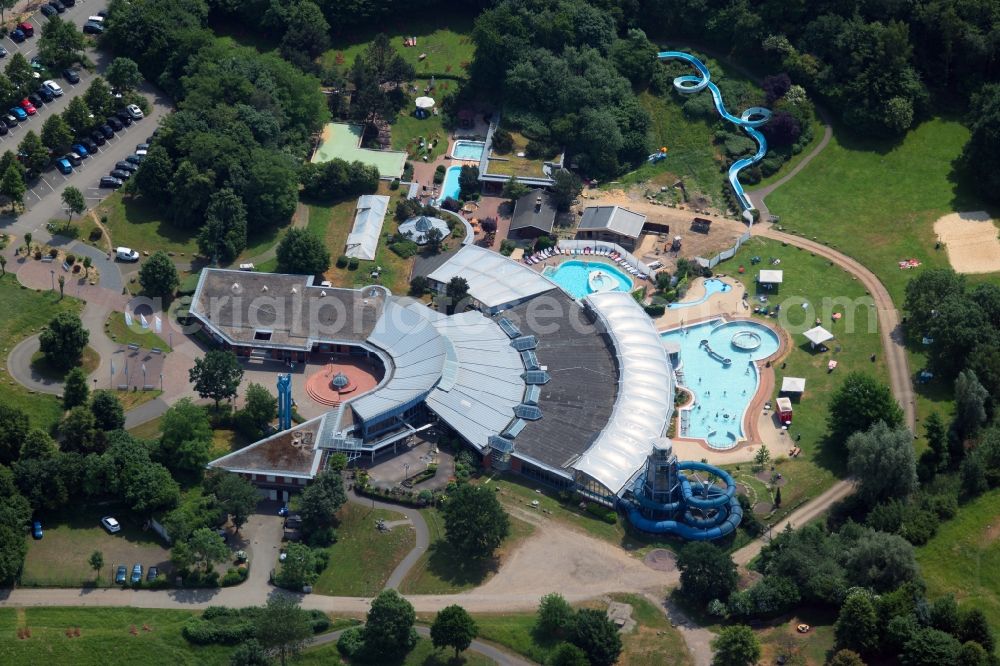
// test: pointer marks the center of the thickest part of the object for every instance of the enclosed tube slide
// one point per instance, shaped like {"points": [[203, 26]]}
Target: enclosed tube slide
{"points": [[749, 120]]}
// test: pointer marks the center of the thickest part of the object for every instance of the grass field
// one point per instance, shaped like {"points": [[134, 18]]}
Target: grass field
{"points": [[440, 569], [877, 200], [25, 312], [60, 557], [963, 558], [148, 430], [810, 649], [89, 360], [116, 329], [424, 654], [407, 128], [108, 637], [363, 558]]}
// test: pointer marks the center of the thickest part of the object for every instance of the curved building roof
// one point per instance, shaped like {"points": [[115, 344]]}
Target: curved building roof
{"points": [[645, 395], [369, 217]]}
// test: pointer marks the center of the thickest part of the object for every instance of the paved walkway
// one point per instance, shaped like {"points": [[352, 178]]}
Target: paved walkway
{"points": [[419, 527]]}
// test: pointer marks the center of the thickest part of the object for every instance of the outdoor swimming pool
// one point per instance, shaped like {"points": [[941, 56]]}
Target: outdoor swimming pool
{"points": [[450, 188], [579, 278], [712, 286], [717, 367], [468, 150]]}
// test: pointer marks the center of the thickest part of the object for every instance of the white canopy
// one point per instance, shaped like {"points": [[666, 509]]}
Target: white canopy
{"points": [[793, 385], [424, 102], [369, 217], [770, 277], [818, 335]]}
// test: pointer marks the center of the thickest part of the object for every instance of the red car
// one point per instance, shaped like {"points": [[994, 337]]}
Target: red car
{"points": [[27, 29], [28, 107]]}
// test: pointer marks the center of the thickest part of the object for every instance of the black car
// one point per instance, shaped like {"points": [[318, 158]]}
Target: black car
{"points": [[92, 28], [126, 166], [45, 94], [35, 99], [89, 145], [110, 181], [71, 75], [116, 124], [120, 174], [134, 159], [9, 120], [98, 138], [48, 10], [58, 6], [152, 573], [68, 3], [3, 129], [123, 116], [107, 131]]}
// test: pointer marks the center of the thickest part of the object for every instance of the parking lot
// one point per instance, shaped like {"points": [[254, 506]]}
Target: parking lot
{"points": [[48, 187]]}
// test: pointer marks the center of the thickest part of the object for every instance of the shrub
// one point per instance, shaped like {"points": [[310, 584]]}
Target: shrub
{"points": [[394, 185], [231, 578], [604, 513], [326, 536], [405, 248], [507, 247], [96, 233], [342, 261], [38, 254], [418, 285], [319, 621], [654, 309], [201, 631], [351, 643], [70, 259], [352, 264], [53, 252]]}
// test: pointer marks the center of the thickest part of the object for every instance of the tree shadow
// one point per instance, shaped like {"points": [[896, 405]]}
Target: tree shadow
{"points": [[453, 568]]}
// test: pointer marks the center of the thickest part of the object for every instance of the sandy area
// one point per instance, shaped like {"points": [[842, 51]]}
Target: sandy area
{"points": [[972, 241]]}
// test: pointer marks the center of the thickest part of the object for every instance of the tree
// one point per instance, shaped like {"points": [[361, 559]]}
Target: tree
{"points": [[777, 497], [12, 186], [75, 389], [300, 252], [249, 653], [259, 409], [931, 647], [567, 654], [79, 431], [96, 562], [514, 189], [475, 522], [707, 572], [217, 375], [271, 191], [846, 658], [56, 134], [36, 155], [298, 569], [762, 457], [635, 57], [388, 631], [974, 626], [555, 615], [882, 460], [237, 497], [970, 404], [12, 551], [186, 442], [881, 561], [155, 174], [937, 440], [453, 627], [973, 654], [973, 475], [3, 265], [468, 182], [4, 6], [982, 151], [321, 500], [79, 118], [224, 235], [20, 73], [74, 202], [597, 636], [123, 74], [944, 614], [859, 403], [207, 548], [735, 646], [857, 625], [282, 627], [158, 276], [456, 293], [62, 286], [14, 426], [108, 411], [98, 97], [64, 340], [61, 43], [38, 445], [566, 189], [306, 32]]}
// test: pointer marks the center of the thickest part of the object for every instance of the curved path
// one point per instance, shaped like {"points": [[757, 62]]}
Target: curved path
{"points": [[419, 526], [20, 370]]}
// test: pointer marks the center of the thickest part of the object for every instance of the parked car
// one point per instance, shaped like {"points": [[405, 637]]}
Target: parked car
{"points": [[69, 3], [58, 6], [93, 28], [283, 511], [126, 166], [49, 10], [74, 159], [36, 530], [110, 524], [124, 117], [79, 148], [153, 573], [135, 112], [27, 29], [3, 129], [141, 148], [110, 181], [88, 144], [98, 138], [71, 75], [107, 131], [120, 174], [45, 94], [10, 120], [36, 63], [28, 107], [116, 124], [35, 99], [134, 159], [3, 52], [17, 35], [126, 253], [19, 113], [136, 574], [64, 166], [120, 574], [54, 87]]}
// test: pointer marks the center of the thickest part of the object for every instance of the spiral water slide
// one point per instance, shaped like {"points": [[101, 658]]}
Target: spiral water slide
{"points": [[749, 120], [727, 506]]}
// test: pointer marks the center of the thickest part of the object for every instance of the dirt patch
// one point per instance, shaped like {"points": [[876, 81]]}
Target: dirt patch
{"points": [[762, 508], [660, 559], [992, 533], [972, 241]]}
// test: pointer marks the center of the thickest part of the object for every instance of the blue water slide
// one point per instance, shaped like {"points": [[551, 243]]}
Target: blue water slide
{"points": [[749, 120], [694, 497], [728, 522]]}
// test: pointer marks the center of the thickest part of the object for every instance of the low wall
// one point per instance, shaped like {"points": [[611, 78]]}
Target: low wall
{"points": [[630, 258]]}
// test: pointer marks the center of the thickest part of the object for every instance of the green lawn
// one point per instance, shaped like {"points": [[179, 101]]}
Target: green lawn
{"points": [[89, 361], [116, 329], [407, 129], [817, 128], [363, 558], [108, 637], [877, 200], [811, 649], [510, 164], [424, 654], [25, 312], [441, 571], [963, 558]]}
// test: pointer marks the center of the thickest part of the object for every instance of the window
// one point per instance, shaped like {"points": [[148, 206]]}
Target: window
{"points": [[270, 478], [262, 335], [302, 481]]}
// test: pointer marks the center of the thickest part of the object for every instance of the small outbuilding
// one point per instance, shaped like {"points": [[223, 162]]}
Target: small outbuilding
{"points": [[534, 215], [818, 335], [613, 224], [419, 228]]}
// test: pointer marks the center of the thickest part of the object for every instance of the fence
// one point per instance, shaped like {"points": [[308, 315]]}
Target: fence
{"points": [[725, 254]]}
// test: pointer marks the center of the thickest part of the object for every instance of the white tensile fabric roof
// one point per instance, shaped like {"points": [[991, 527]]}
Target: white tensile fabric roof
{"points": [[494, 280], [368, 219], [645, 392], [771, 276], [818, 335], [793, 385]]}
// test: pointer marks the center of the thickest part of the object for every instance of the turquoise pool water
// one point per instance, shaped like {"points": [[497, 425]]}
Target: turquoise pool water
{"points": [[468, 150], [721, 390], [450, 188], [712, 286], [579, 278]]}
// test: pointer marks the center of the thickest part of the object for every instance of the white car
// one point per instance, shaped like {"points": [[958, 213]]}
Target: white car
{"points": [[134, 112], [53, 87], [110, 524], [126, 254]]}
